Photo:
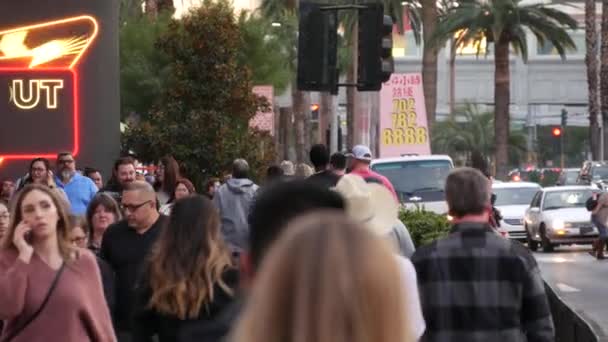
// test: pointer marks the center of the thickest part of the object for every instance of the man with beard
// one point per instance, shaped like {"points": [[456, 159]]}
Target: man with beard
{"points": [[123, 174], [79, 189]]}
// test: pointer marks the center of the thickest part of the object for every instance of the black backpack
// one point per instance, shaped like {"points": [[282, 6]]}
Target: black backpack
{"points": [[591, 203]]}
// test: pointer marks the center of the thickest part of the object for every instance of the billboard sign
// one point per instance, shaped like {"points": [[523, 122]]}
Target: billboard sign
{"points": [[403, 122]]}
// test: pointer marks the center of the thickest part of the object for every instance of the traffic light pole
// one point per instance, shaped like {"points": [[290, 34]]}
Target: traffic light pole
{"points": [[561, 148]]}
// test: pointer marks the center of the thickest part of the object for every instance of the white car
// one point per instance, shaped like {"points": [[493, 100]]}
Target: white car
{"points": [[418, 180], [512, 200], [557, 216]]}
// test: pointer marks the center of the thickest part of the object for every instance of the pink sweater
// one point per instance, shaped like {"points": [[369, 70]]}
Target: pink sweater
{"points": [[75, 312]]}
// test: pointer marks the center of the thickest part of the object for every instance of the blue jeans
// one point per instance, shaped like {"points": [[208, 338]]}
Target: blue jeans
{"points": [[601, 227]]}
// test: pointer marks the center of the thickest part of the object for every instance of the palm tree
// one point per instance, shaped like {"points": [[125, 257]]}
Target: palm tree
{"points": [[503, 22], [469, 131], [604, 76], [592, 75], [429, 60]]}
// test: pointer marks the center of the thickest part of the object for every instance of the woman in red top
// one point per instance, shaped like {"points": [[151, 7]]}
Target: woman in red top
{"points": [[37, 253]]}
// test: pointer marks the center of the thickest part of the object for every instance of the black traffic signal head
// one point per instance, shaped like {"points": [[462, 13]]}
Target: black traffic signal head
{"points": [[375, 62], [317, 48]]}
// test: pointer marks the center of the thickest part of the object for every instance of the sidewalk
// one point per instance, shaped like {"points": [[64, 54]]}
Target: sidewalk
{"points": [[581, 282]]}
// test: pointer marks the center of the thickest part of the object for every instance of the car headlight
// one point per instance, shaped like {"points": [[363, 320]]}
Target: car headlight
{"points": [[558, 224]]}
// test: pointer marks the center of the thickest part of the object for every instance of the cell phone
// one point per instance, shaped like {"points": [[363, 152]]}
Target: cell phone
{"points": [[28, 237]]}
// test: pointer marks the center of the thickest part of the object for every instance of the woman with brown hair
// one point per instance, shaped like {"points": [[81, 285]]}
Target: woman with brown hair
{"points": [[326, 279], [40, 173], [189, 279], [101, 213], [47, 286], [167, 175], [183, 188]]}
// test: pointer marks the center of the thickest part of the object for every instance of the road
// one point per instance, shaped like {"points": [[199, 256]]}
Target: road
{"points": [[580, 280]]}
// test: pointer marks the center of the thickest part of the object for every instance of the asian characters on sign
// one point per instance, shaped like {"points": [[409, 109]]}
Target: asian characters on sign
{"points": [[403, 123]]}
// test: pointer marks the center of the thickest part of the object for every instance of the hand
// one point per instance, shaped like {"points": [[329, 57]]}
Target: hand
{"points": [[24, 248]]}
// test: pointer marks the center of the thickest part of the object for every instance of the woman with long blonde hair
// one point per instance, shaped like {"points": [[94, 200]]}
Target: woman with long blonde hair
{"points": [[326, 279], [48, 288], [189, 279]]}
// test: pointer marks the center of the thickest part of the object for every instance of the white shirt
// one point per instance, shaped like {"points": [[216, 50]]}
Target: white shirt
{"points": [[413, 309]]}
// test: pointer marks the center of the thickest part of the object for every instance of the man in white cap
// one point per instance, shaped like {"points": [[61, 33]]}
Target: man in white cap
{"points": [[361, 158]]}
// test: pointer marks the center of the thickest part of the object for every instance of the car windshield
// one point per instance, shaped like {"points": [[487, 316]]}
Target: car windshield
{"points": [[515, 196], [571, 176], [566, 199], [414, 177], [600, 172]]}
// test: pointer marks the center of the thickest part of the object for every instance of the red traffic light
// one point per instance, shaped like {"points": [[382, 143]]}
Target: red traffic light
{"points": [[557, 132], [314, 107]]}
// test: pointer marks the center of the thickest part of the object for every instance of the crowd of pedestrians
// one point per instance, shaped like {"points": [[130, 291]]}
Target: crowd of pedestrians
{"points": [[310, 254]]}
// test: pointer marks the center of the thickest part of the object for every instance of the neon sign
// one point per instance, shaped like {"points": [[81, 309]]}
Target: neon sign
{"points": [[39, 86]]}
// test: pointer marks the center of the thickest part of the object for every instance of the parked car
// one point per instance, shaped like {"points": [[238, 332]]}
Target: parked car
{"points": [[568, 177], [512, 200], [595, 174], [418, 180], [557, 216]]}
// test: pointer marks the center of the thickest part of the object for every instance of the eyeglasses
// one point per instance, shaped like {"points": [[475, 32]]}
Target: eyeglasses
{"points": [[79, 240], [133, 207], [66, 161]]}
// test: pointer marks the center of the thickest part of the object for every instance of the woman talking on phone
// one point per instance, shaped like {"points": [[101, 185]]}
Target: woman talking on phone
{"points": [[49, 289]]}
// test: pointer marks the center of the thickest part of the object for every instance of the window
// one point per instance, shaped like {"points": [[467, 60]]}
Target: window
{"points": [[536, 201], [549, 50]]}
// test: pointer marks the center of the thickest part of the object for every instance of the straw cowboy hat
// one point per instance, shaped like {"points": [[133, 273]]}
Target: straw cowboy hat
{"points": [[371, 204]]}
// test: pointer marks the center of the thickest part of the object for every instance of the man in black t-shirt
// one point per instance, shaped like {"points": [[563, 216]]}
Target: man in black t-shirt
{"points": [[319, 157], [126, 245]]}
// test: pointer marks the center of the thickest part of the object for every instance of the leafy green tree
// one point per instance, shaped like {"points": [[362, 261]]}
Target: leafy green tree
{"points": [[144, 68], [264, 52], [203, 118], [504, 22]]}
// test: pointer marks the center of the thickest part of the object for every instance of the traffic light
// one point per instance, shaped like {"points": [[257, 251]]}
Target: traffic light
{"points": [[375, 60], [557, 132], [564, 118], [317, 48]]}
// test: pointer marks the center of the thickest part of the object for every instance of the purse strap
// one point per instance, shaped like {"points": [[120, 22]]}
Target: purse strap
{"points": [[17, 331]]}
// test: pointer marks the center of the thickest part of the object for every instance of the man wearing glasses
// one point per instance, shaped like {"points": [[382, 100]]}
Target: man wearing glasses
{"points": [[79, 189], [126, 244]]}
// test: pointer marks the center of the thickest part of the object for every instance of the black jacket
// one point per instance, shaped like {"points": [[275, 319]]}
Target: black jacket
{"points": [[212, 324]]}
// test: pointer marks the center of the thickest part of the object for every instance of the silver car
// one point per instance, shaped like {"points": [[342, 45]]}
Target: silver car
{"points": [[557, 216], [512, 200]]}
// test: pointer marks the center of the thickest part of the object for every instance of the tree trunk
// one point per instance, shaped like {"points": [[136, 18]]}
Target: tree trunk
{"points": [[429, 61], [151, 7], [502, 98], [285, 125], [592, 77], [351, 93], [299, 110], [452, 78], [325, 114], [604, 76]]}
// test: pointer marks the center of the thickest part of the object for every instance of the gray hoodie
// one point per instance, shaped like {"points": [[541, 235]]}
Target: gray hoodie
{"points": [[233, 200]]}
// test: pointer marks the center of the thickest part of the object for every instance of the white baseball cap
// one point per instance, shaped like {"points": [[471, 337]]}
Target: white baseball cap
{"points": [[361, 152]]}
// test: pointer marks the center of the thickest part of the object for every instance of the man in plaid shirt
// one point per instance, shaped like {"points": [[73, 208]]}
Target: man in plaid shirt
{"points": [[476, 285]]}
